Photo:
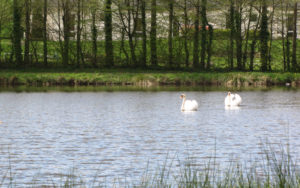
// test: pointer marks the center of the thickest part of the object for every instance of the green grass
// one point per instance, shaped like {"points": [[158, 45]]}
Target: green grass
{"points": [[139, 77]]}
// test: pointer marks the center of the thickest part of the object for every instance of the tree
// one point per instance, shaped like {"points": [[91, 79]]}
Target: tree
{"points": [[209, 46], [45, 46], [238, 35], [254, 41], [17, 32], [196, 36], [153, 34], [27, 31], [282, 35], [109, 56], [180, 31], [271, 36], [203, 33], [129, 24], [94, 33], [5, 19], [78, 34], [245, 53], [264, 37], [232, 34], [288, 51], [186, 30], [294, 53], [144, 33], [66, 30], [170, 36]]}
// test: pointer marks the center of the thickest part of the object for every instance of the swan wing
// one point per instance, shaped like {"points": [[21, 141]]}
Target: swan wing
{"points": [[236, 100], [190, 105], [195, 104]]}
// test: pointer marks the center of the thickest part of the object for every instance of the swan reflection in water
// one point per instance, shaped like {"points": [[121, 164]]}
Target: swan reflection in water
{"points": [[232, 108]]}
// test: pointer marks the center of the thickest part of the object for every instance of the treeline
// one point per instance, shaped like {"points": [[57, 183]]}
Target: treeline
{"points": [[191, 34]]}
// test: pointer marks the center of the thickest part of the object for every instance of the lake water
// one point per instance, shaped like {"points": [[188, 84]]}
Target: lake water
{"points": [[111, 135]]}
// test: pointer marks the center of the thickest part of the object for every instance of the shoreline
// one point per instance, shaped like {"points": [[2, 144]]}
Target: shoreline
{"points": [[147, 78]]}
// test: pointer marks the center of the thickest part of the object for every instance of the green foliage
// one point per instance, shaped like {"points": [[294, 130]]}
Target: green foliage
{"points": [[103, 46]]}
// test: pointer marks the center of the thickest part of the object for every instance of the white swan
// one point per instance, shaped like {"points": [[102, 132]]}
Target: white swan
{"points": [[232, 100], [188, 105]]}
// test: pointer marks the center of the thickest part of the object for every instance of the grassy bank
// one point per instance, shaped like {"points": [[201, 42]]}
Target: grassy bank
{"points": [[146, 78]]}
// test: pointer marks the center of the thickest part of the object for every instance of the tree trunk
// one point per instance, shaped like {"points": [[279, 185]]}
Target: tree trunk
{"points": [[239, 39], [131, 33], [78, 40], [144, 34], [196, 37], [232, 34], [187, 54], [170, 36], [45, 33], [294, 55], [17, 33], [252, 52], [1, 19], [109, 58], [132, 50], [282, 36], [271, 37], [0, 43], [209, 46], [59, 18], [253, 44], [264, 37], [94, 38], [129, 27], [245, 54], [288, 52], [27, 31], [153, 34], [66, 24], [203, 33], [123, 46]]}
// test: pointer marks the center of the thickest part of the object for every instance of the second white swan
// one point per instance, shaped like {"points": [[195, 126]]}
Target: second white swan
{"points": [[232, 100], [188, 105]]}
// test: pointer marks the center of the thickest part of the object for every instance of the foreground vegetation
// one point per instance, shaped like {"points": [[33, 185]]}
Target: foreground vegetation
{"points": [[141, 77], [275, 168]]}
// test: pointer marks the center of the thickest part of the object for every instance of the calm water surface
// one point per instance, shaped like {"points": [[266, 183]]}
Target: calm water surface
{"points": [[116, 134]]}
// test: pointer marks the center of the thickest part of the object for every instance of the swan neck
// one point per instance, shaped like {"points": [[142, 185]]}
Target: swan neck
{"points": [[230, 99], [182, 105]]}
